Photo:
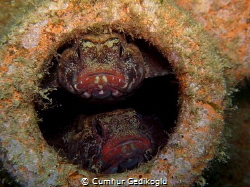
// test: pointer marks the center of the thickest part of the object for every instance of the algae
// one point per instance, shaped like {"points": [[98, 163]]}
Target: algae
{"points": [[190, 52], [12, 14]]}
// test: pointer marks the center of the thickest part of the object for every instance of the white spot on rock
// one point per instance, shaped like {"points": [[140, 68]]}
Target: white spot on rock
{"points": [[30, 40], [183, 166], [11, 69], [224, 14], [203, 6], [58, 5]]}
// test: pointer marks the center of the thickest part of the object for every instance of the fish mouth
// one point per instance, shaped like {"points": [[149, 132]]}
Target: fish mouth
{"points": [[126, 155], [101, 84]]}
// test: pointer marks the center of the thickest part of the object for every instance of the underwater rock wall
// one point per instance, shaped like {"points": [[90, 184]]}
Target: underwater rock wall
{"points": [[228, 22]]}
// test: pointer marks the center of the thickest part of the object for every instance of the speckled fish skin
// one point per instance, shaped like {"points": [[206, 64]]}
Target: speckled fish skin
{"points": [[110, 142], [101, 67]]}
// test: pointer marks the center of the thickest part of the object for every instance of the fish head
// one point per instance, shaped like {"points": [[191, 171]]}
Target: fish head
{"points": [[112, 142], [102, 66]]}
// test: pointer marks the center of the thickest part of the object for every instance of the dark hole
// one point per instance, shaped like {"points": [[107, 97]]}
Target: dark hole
{"points": [[155, 99]]}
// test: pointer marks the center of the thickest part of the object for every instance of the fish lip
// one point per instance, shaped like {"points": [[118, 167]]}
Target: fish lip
{"points": [[129, 141], [119, 158], [140, 140], [101, 72], [98, 80]]}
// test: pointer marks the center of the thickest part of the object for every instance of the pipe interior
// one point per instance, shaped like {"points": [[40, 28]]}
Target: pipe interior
{"points": [[157, 96]]}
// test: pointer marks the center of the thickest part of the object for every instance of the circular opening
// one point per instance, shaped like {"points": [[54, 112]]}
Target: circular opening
{"points": [[203, 91], [154, 102]]}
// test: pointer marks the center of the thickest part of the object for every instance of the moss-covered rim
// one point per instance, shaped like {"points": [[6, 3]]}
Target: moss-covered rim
{"points": [[192, 54]]}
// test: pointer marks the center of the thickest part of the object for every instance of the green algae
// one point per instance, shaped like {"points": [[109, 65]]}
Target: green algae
{"points": [[12, 13]]}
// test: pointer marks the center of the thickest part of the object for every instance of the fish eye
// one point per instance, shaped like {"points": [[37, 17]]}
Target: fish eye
{"points": [[121, 51], [136, 119], [98, 128]]}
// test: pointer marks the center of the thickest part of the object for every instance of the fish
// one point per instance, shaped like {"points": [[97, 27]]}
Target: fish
{"points": [[114, 141], [105, 67]]}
